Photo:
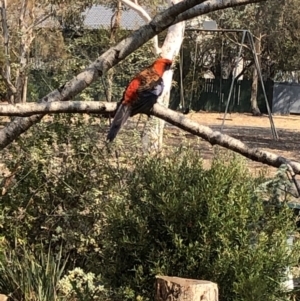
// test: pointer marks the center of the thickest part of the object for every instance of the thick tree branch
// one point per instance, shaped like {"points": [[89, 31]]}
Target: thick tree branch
{"points": [[146, 17], [114, 55], [215, 137], [32, 108], [205, 7], [177, 119]]}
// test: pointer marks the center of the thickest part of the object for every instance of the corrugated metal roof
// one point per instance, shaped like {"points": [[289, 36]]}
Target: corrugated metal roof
{"points": [[99, 15]]}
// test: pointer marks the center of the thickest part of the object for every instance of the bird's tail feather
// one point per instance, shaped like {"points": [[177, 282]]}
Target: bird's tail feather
{"points": [[120, 118]]}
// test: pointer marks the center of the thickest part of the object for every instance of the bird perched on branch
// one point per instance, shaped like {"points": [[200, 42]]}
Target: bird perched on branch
{"points": [[140, 94]]}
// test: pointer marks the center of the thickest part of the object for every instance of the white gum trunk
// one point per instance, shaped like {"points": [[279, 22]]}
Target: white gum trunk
{"points": [[153, 135]]}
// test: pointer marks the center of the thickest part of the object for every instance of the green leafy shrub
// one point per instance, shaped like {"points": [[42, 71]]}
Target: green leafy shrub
{"points": [[78, 285], [177, 218], [60, 179]]}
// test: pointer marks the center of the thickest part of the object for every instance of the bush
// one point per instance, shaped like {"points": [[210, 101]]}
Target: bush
{"points": [[78, 285], [59, 180], [129, 217], [178, 219]]}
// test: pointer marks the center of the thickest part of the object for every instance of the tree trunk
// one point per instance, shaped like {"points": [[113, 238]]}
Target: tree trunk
{"points": [[116, 22], [3, 297], [254, 88], [6, 69], [16, 93], [254, 106], [153, 135], [182, 289]]}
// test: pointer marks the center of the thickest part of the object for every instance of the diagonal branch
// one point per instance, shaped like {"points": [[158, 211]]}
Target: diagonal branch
{"points": [[146, 17], [116, 54], [208, 6], [177, 119], [39, 21], [215, 137]]}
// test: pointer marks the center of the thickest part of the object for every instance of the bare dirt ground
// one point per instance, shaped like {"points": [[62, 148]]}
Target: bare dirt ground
{"points": [[254, 131]]}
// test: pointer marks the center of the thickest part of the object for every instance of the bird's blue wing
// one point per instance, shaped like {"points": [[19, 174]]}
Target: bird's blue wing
{"points": [[147, 98]]}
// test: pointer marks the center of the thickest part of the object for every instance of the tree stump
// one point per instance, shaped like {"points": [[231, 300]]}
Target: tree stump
{"points": [[3, 297], [182, 289]]}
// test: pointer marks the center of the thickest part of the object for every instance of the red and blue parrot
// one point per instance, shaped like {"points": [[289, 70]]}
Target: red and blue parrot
{"points": [[140, 94]]}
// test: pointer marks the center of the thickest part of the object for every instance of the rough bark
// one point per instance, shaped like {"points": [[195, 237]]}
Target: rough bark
{"points": [[176, 119], [182, 289], [117, 53]]}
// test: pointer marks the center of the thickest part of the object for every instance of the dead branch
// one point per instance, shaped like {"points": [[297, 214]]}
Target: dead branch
{"points": [[177, 119], [32, 108]]}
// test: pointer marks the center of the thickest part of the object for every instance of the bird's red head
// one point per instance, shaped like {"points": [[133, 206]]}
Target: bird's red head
{"points": [[161, 65]]}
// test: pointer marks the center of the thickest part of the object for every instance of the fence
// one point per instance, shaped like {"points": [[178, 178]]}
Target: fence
{"points": [[212, 94]]}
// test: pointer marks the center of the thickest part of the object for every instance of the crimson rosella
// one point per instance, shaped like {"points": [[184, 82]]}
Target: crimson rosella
{"points": [[140, 94]]}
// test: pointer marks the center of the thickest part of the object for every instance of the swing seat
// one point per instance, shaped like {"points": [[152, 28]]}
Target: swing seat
{"points": [[227, 118]]}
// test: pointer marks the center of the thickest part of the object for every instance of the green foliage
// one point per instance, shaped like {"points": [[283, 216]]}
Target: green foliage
{"points": [[280, 34], [59, 183], [31, 275], [123, 217], [181, 219], [81, 285]]}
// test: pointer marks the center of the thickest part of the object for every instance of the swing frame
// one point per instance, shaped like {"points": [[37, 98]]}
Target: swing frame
{"points": [[246, 34]]}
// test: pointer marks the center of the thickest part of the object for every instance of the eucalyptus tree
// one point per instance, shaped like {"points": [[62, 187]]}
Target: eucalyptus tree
{"points": [[21, 20]]}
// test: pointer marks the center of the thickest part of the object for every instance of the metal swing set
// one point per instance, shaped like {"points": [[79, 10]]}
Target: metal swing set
{"points": [[246, 34]]}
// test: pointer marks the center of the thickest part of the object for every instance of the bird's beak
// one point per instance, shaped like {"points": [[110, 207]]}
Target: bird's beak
{"points": [[168, 67]]}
